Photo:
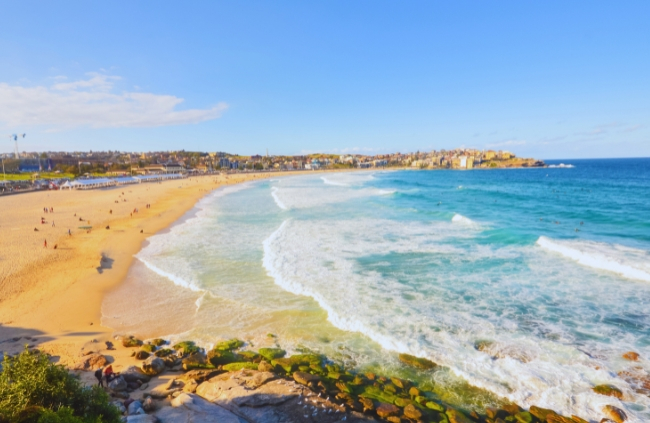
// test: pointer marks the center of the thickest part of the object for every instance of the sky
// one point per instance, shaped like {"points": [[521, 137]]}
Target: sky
{"points": [[551, 79]]}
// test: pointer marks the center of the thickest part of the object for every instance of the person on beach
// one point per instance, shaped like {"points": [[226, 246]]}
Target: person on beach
{"points": [[52, 223], [99, 377], [45, 244], [69, 233], [108, 374]]}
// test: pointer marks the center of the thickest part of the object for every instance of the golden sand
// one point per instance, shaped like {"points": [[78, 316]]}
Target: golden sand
{"points": [[55, 294]]}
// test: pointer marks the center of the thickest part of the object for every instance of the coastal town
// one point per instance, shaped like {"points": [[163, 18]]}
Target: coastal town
{"points": [[27, 170]]}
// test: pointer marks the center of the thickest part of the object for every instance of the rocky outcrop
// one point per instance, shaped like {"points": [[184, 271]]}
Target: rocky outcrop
{"points": [[420, 363], [153, 366], [134, 374], [261, 397], [92, 361], [189, 408], [614, 413]]}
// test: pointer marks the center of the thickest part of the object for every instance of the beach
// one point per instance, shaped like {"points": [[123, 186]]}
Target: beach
{"points": [[57, 293]]}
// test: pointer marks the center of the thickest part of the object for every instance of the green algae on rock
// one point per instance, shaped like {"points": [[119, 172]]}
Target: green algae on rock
{"points": [[420, 363], [272, 353], [609, 390], [233, 367], [231, 344], [130, 342]]}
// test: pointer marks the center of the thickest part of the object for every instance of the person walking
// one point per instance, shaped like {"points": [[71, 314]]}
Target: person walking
{"points": [[45, 244], [100, 377]]}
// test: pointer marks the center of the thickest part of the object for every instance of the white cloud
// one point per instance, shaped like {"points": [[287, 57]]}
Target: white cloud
{"points": [[93, 102]]}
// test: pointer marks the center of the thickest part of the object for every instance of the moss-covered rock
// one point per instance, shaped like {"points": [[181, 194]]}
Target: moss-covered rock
{"points": [[149, 348], [286, 364], [541, 413], [249, 355], [376, 393], [402, 402], [158, 342], [141, 355], [130, 342], [434, 406], [456, 416], [609, 390], [420, 363], [188, 347], [219, 357], [231, 344], [412, 412], [524, 417], [164, 352], [233, 367], [272, 353], [306, 359]]}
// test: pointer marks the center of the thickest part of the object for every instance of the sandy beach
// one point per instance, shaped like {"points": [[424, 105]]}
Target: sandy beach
{"points": [[55, 294]]}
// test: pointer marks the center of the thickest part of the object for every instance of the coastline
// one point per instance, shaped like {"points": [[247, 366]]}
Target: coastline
{"points": [[57, 294]]}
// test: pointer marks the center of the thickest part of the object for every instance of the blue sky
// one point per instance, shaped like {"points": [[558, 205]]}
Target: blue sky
{"points": [[550, 79]]}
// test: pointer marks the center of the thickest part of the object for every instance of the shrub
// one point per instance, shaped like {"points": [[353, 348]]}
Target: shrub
{"points": [[34, 390]]}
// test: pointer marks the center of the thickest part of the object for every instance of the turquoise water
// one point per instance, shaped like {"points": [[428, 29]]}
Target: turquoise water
{"points": [[547, 269]]}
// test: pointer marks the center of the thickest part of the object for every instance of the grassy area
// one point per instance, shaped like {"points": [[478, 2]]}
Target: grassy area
{"points": [[28, 176]]}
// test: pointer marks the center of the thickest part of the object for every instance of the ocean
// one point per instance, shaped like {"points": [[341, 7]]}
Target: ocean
{"points": [[524, 285]]}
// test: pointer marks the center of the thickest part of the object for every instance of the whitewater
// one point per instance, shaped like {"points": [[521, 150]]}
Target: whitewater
{"points": [[528, 284]]}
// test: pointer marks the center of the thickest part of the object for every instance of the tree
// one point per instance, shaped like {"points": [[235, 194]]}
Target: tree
{"points": [[34, 390]]}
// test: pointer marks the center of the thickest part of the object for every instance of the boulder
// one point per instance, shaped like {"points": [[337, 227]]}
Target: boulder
{"points": [[411, 412], [413, 361], [232, 367], [148, 405], [133, 407], [456, 416], [265, 366], [186, 347], [119, 406], [229, 345], [614, 413], [199, 375], [93, 361], [130, 342], [118, 384], [609, 390], [141, 355], [272, 353], [141, 418], [153, 366], [134, 374], [305, 378], [190, 386], [189, 408], [149, 348], [385, 410], [219, 357], [158, 342], [631, 355]]}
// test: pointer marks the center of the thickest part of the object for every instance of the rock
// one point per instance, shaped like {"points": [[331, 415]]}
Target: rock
{"points": [[219, 357], [133, 374], [541, 413], [414, 392], [130, 342], [384, 410], [229, 345], [149, 348], [524, 417], [142, 418], [411, 412], [93, 361], [420, 363], [119, 406], [148, 405], [249, 355], [398, 382], [134, 407], [614, 413], [189, 408], [153, 366], [186, 347], [435, 406], [118, 384], [163, 352], [368, 404], [158, 342], [284, 363], [272, 353], [199, 375], [456, 416], [265, 366], [512, 409], [232, 367], [141, 355], [609, 390], [631, 355], [305, 378], [190, 386]]}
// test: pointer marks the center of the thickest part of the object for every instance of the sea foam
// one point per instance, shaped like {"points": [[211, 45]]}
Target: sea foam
{"points": [[627, 262]]}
